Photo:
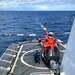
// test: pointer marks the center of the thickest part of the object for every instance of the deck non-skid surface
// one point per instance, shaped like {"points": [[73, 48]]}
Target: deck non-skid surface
{"points": [[26, 64]]}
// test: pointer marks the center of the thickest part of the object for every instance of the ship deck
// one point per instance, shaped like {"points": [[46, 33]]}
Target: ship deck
{"points": [[24, 63]]}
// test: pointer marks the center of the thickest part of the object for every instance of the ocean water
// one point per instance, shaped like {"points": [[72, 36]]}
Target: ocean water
{"points": [[28, 22]]}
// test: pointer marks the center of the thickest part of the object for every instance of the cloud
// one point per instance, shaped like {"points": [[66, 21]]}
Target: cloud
{"points": [[37, 5]]}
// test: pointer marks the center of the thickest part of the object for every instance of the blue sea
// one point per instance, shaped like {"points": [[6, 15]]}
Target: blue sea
{"points": [[22, 22]]}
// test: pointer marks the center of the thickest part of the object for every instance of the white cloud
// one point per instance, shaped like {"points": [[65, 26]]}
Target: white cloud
{"points": [[37, 5], [41, 7]]}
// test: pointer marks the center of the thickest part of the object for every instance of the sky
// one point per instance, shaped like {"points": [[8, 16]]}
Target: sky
{"points": [[37, 5]]}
